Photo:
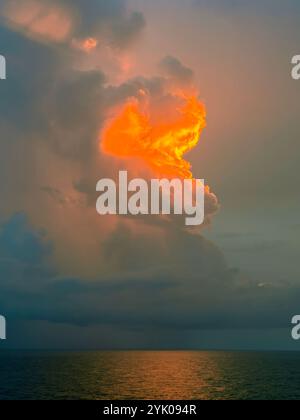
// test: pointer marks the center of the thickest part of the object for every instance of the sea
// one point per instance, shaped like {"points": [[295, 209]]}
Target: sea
{"points": [[149, 375]]}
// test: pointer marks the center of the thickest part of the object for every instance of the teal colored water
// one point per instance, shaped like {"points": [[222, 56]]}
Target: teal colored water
{"points": [[149, 375]]}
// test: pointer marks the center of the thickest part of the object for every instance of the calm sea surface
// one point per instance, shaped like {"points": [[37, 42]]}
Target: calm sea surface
{"points": [[149, 375]]}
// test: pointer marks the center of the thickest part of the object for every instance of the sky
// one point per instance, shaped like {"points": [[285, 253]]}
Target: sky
{"points": [[71, 279]]}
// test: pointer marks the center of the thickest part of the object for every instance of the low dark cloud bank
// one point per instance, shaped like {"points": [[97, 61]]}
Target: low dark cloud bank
{"points": [[191, 288]]}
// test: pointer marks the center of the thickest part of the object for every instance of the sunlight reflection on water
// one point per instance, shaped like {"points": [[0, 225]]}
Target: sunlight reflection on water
{"points": [[149, 375]]}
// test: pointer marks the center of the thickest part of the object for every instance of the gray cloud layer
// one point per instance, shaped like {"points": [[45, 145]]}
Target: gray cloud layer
{"points": [[181, 291]]}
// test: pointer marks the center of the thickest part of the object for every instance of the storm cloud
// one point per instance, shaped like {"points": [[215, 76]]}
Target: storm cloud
{"points": [[181, 292], [62, 265], [64, 21]]}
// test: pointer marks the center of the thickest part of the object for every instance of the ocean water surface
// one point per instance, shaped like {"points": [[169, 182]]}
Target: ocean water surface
{"points": [[148, 375]]}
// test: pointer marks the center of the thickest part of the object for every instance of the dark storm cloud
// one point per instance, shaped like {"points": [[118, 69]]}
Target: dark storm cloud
{"points": [[51, 103], [191, 290], [20, 243], [23, 266], [174, 281], [107, 18], [108, 21], [176, 70], [32, 71], [46, 98], [55, 104]]}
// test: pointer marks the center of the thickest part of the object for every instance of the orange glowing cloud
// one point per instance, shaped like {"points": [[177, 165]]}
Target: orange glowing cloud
{"points": [[162, 143], [41, 20], [87, 45]]}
